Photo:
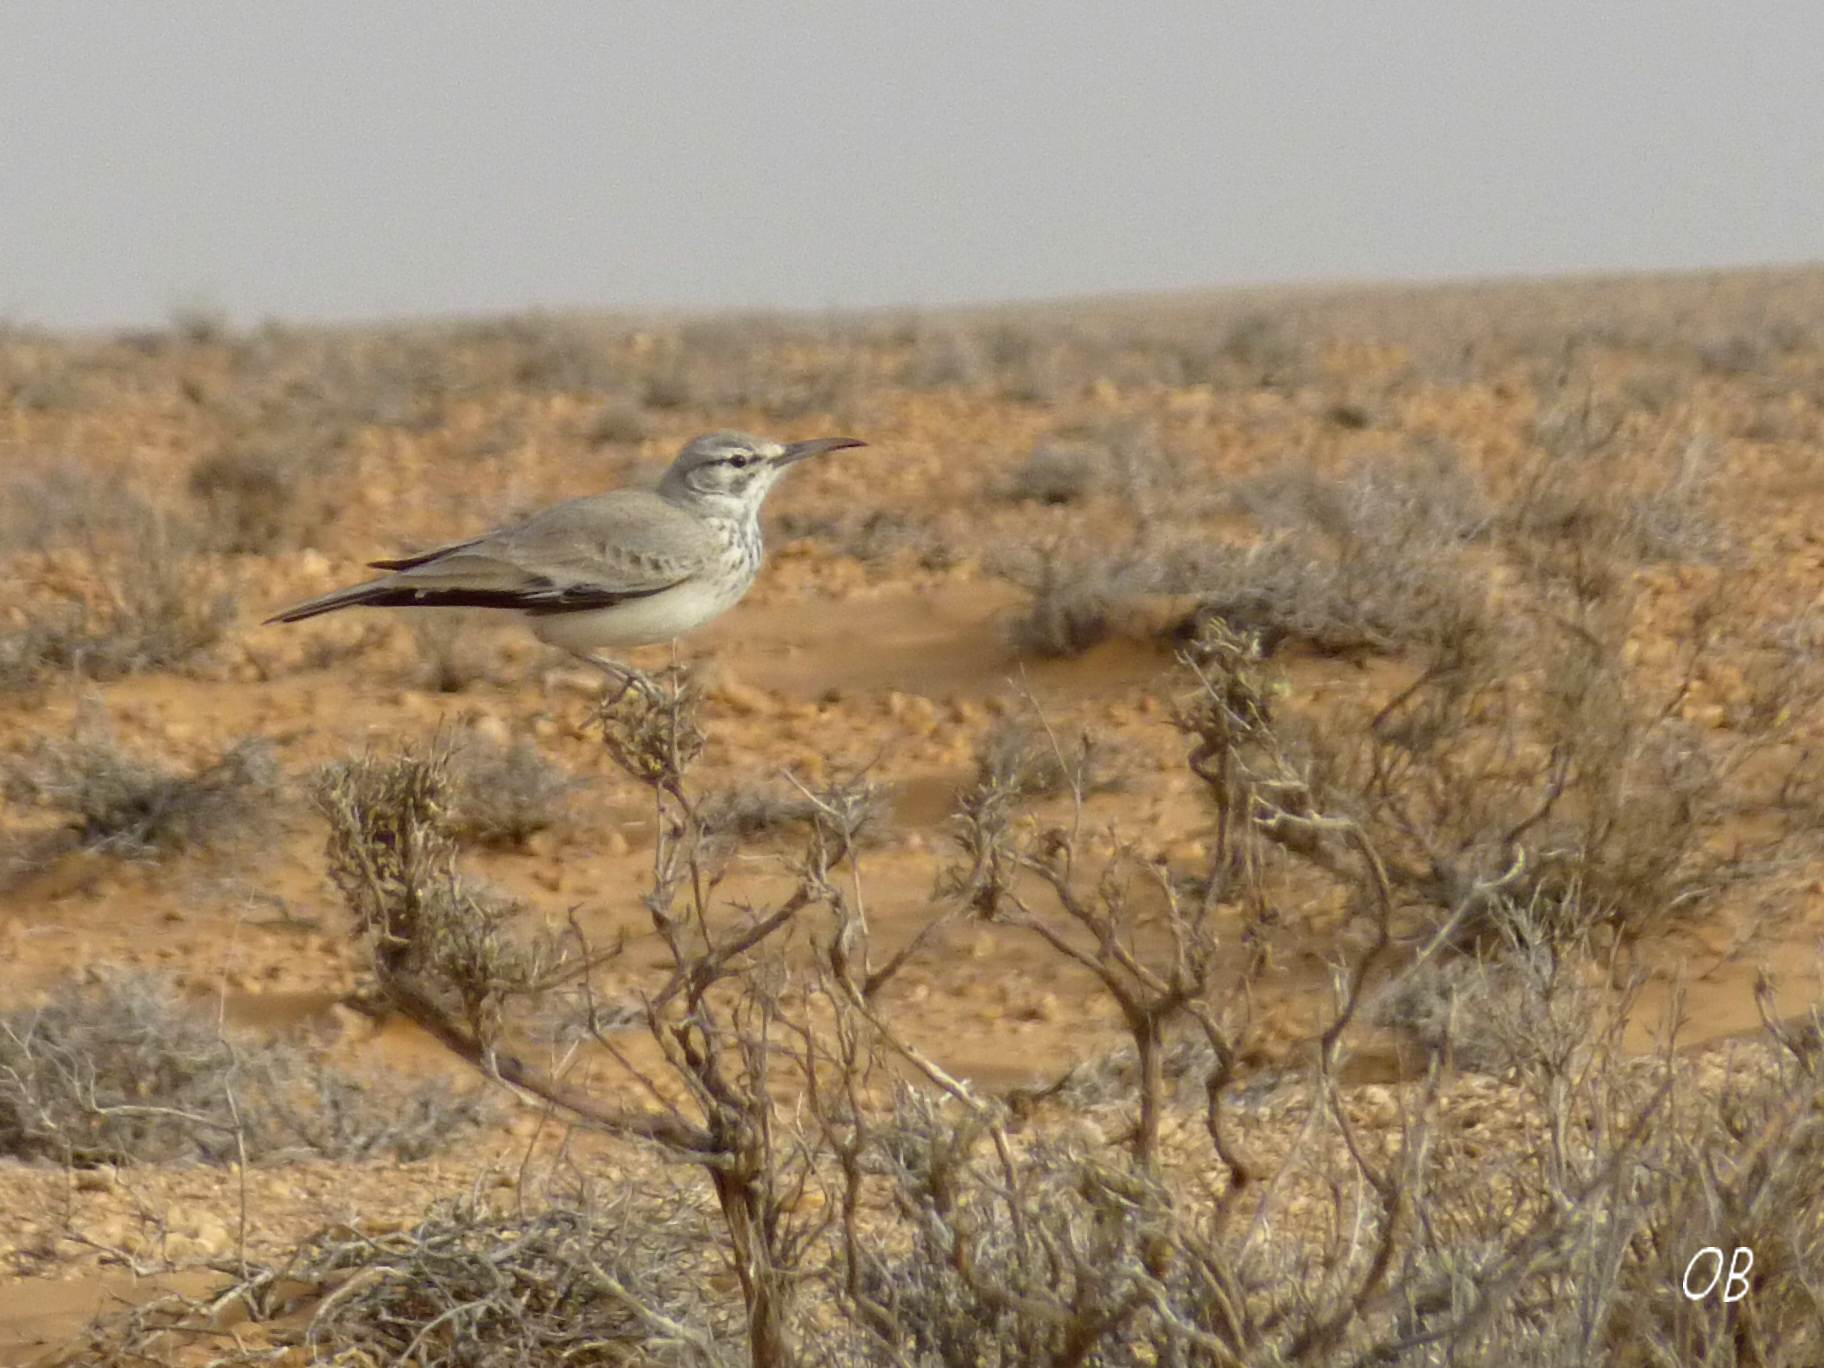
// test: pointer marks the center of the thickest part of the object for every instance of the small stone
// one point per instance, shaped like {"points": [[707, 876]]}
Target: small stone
{"points": [[198, 1237], [348, 1025], [492, 730], [119, 1232], [920, 714]]}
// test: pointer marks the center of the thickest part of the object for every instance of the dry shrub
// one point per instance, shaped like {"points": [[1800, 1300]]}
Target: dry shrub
{"points": [[1053, 474], [1075, 600], [446, 955], [944, 358], [592, 1282], [751, 813], [1425, 493], [44, 379], [1041, 355], [625, 1279], [65, 505], [1374, 598], [1161, 1207], [1123, 455], [1423, 1237], [127, 1072], [1025, 759], [618, 422], [506, 794], [1594, 491], [1265, 344], [1534, 767], [1746, 1178], [259, 498], [543, 353], [453, 655], [155, 602], [1526, 995], [1375, 561], [1064, 1249], [392, 854], [318, 389], [781, 367], [874, 537], [1382, 559], [124, 806]]}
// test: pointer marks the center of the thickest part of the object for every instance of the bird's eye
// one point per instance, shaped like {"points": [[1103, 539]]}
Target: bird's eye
{"points": [[739, 462]]}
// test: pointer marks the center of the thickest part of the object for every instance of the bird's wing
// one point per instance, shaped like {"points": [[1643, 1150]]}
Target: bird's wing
{"points": [[420, 557], [588, 552]]}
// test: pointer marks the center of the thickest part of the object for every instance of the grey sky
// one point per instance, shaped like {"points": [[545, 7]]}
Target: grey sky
{"points": [[373, 158]]}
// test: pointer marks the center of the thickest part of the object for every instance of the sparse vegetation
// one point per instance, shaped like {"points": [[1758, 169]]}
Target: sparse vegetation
{"points": [[619, 421], [876, 538], [1581, 490], [259, 499], [1023, 759], [1076, 1240], [452, 654], [1073, 603], [1500, 682], [62, 505], [753, 813], [1053, 475], [589, 1282], [507, 794], [121, 805], [122, 588], [126, 1072]]}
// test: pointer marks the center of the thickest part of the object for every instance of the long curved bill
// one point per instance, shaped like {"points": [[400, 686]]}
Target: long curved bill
{"points": [[799, 451]]}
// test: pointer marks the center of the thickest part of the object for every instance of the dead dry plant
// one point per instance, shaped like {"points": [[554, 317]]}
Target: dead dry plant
{"points": [[126, 1072], [133, 592], [121, 805], [870, 1208]]}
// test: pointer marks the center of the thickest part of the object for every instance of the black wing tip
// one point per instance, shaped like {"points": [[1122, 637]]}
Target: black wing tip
{"points": [[298, 614]]}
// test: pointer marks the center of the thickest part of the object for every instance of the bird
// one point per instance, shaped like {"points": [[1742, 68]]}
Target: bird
{"points": [[631, 567]]}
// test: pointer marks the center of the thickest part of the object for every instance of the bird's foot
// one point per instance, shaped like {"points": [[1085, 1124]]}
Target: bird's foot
{"points": [[622, 679]]}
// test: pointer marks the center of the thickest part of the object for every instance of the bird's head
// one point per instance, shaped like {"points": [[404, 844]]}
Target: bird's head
{"points": [[730, 472]]}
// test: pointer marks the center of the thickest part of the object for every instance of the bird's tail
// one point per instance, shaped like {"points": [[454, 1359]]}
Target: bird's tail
{"points": [[377, 593]]}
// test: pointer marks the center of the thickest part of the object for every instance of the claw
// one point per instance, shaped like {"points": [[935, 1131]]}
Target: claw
{"points": [[625, 675]]}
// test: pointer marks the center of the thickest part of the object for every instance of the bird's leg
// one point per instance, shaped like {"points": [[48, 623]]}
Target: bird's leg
{"points": [[625, 675]]}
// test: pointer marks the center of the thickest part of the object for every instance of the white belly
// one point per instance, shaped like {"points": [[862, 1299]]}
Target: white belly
{"points": [[637, 622]]}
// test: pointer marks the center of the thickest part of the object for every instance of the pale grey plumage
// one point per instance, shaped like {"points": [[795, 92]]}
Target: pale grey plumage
{"points": [[627, 568], [627, 541]]}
